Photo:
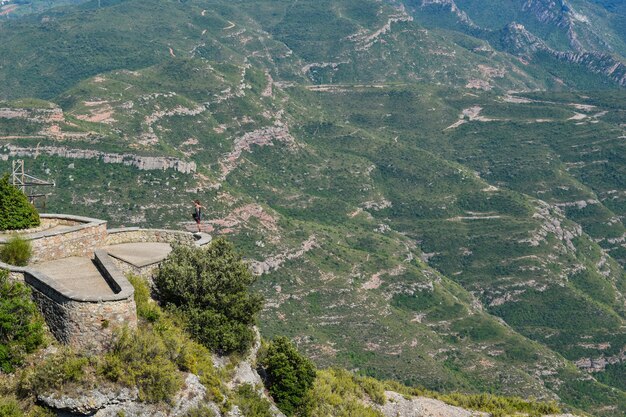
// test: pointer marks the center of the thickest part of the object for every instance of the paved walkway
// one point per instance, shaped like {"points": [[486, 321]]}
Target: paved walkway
{"points": [[79, 274], [140, 254]]}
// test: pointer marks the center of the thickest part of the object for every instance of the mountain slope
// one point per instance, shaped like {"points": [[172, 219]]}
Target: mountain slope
{"points": [[406, 223]]}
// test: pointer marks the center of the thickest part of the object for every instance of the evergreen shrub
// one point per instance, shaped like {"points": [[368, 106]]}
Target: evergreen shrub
{"points": [[289, 374], [16, 212], [210, 289], [21, 325], [16, 251], [141, 359]]}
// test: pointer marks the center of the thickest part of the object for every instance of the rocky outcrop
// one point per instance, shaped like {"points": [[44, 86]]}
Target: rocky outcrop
{"points": [[144, 163], [554, 12], [90, 401], [114, 401], [274, 262], [516, 39], [399, 406], [450, 6], [599, 364]]}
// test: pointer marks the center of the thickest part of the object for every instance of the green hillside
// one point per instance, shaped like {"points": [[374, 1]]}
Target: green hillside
{"points": [[411, 217]]}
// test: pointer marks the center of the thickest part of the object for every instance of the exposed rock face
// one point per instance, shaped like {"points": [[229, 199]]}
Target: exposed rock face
{"points": [[113, 402], [599, 364], [274, 262], [548, 11], [144, 163], [450, 6], [87, 402], [398, 406], [519, 41]]}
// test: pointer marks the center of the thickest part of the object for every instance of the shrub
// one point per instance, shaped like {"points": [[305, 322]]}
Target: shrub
{"points": [[21, 325], [146, 308], [10, 408], [186, 354], [210, 288], [16, 212], [57, 370], [251, 404], [201, 411], [17, 251], [289, 375], [140, 359], [337, 392]]}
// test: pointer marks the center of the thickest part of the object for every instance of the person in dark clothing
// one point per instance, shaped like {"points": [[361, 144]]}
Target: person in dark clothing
{"points": [[197, 213]]}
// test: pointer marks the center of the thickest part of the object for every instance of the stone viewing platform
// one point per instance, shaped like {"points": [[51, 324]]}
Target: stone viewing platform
{"points": [[77, 273]]}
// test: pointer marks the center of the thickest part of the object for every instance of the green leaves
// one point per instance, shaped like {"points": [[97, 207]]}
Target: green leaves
{"points": [[15, 211], [289, 374], [17, 251], [211, 289], [21, 326]]}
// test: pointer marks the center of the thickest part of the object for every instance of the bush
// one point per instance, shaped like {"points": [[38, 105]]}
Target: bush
{"points": [[250, 402], [140, 359], [10, 408], [21, 325], [16, 212], [186, 354], [201, 411], [337, 392], [17, 251], [289, 375], [62, 368], [146, 308], [210, 288]]}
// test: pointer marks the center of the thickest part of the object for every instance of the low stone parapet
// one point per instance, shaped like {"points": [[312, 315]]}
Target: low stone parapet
{"points": [[137, 235], [78, 236]]}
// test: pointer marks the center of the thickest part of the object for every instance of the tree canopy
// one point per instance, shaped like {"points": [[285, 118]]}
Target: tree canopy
{"points": [[16, 212], [211, 289]]}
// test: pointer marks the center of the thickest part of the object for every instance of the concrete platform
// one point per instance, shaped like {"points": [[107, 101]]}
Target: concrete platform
{"points": [[79, 274], [140, 254]]}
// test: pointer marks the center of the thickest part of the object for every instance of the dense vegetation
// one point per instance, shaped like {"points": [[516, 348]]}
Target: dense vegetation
{"points": [[211, 289], [16, 212], [21, 325], [289, 375]]}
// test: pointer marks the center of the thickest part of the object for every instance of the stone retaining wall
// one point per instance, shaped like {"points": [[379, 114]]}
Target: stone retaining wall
{"points": [[146, 272], [85, 323], [81, 237]]}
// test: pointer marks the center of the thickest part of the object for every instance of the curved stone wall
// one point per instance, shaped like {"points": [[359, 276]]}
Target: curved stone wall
{"points": [[85, 322], [73, 236], [88, 322], [137, 235]]}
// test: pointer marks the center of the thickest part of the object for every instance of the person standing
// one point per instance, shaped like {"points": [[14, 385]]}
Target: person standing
{"points": [[197, 213]]}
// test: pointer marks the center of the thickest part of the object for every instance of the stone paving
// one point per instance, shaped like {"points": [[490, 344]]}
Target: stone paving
{"points": [[79, 274], [139, 254]]}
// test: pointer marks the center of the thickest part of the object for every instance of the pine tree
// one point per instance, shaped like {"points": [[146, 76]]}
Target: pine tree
{"points": [[16, 212]]}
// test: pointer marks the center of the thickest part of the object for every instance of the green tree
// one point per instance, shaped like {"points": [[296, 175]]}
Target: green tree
{"points": [[21, 325], [16, 212], [211, 289], [289, 375]]}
